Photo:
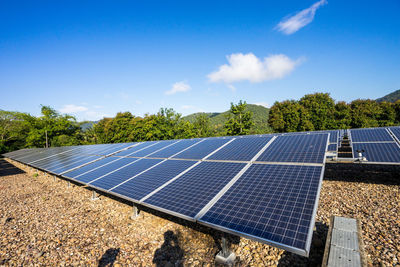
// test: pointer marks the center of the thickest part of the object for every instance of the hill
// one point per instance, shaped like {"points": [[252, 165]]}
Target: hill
{"points": [[392, 97], [217, 120]]}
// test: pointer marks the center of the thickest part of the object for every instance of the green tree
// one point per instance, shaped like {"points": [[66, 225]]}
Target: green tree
{"points": [[13, 131], [202, 125], [239, 120], [321, 108], [397, 111], [289, 116], [388, 115], [342, 115], [365, 113]]}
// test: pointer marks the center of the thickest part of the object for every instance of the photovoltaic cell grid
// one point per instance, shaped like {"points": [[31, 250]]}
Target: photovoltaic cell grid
{"points": [[134, 149], [396, 132], [188, 194], [332, 147], [307, 148], [202, 149], [175, 148], [370, 135], [145, 183], [115, 178], [274, 203], [241, 149], [379, 152], [87, 168]]}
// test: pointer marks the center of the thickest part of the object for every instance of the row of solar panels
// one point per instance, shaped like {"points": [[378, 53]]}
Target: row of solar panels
{"points": [[262, 187]]}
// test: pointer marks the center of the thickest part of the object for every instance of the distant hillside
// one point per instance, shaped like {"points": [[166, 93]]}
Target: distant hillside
{"points": [[260, 118], [392, 97], [87, 124]]}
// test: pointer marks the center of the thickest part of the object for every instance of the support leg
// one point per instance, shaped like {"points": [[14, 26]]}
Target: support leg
{"points": [[225, 256], [68, 184], [135, 212], [55, 178], [94, 195]]}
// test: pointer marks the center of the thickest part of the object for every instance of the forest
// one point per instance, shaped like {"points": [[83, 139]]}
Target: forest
{"points": [[318, 111]]}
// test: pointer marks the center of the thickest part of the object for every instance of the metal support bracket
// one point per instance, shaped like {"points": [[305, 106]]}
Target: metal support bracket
{"points": [[225, 256], [94, 196], [68, 184], [55, 178], [135, 212]]}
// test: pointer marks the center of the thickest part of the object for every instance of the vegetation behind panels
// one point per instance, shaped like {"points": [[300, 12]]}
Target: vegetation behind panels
{"points": [[316, 111]]}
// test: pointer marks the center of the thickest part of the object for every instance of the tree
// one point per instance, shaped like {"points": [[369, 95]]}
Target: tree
{"points": [[13, 131], [342, 115], [202, 125], [397, 111], [289, 116], [321, 108], [239, 120], [388, 115], [365, 113]]}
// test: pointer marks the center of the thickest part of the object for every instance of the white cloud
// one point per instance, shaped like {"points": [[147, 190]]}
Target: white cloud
{"points": [[178, 87], [248, 67], [294, 23], [94, 115], [73, 109], [264, 104], [187, 107]]}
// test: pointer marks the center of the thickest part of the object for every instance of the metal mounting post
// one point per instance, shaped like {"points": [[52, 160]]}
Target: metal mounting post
{"points": [[55, 178], [225, 256], [94, 195], [135, 212], [68, 184]]}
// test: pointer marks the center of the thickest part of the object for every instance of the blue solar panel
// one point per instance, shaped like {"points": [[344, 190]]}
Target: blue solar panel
{"points": [[274, 203], [66, 167], [99, 163], [111, 148], [202, 149], [57, 161], [396, 132], [136, 148], [154, 148], [115, 178], [309, 148], [188, 194], [175, 148], [333, 137], [370, 135], [332, 147], [242, 149], [379, 152], [144, 184], [96, 173]]}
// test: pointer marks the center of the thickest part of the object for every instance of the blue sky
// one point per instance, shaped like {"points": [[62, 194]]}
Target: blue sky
{"points": [[93, 59]]}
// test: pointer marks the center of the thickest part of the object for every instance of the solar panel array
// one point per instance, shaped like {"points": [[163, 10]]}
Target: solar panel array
{"points": [[192, 178], [377, 145], [264, 187]]}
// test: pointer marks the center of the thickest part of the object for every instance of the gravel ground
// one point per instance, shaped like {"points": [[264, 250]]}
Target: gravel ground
{"points": [[45, 222]]}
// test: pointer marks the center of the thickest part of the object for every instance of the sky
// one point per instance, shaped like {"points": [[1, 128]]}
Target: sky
{"points": [[92, 59]]}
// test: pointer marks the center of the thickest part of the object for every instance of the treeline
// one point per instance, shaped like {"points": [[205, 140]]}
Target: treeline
{"points": [[21, 130], [320, 112]]}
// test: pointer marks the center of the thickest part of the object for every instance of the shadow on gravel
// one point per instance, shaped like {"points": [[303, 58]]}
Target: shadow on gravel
{"points": [[316, 250], [363, 173], [170, 253], [109, 257], [7, 168]]}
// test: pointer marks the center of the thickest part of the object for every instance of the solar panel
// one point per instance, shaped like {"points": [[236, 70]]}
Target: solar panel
{"points": [[203, 149], [307, 148], [333, 137], [396, 132], [332, 147], [57, 161], [136, 148], [370, 135], [151, 149], [74, 164], [144, 184], [87, 168], [175, 148], [188, 194], [379, 152], [242, 149], [115, 178], [96, 173], [275, 204]]}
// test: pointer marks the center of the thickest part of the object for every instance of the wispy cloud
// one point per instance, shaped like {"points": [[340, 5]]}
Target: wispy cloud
{"points": [[178, 87], [294, 23], [72, 109], [248, 67]]}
